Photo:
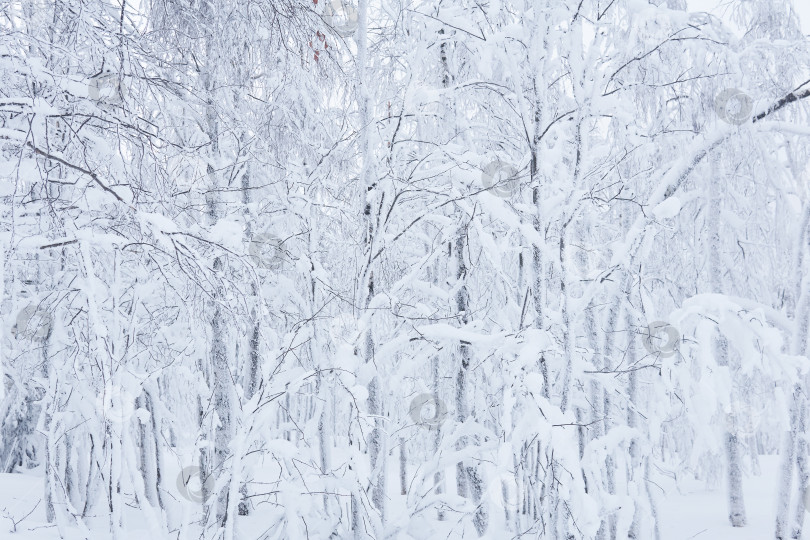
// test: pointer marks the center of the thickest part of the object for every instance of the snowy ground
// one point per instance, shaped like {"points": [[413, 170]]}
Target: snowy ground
{"points": [[699, 514], [688, 512]]}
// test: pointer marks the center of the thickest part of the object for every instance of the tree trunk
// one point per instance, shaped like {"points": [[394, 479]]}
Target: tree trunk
{"points": [[736, 503], [786, 472]]}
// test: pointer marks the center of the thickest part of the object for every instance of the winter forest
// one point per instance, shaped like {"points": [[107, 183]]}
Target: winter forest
{"points": [[404, 269]]}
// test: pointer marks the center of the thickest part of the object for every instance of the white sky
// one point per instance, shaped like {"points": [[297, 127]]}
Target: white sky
{"points": [[721, 7], [802, 7]]}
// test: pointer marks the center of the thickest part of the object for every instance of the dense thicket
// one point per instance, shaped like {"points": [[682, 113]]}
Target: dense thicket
{"points": [[401, 270]]}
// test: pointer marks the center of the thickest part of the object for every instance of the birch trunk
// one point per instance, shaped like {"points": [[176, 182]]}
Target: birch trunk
{"points": [[787, 456], [736, 503], [804, 474], [368, 182], [800, 347], [218, 356]]}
